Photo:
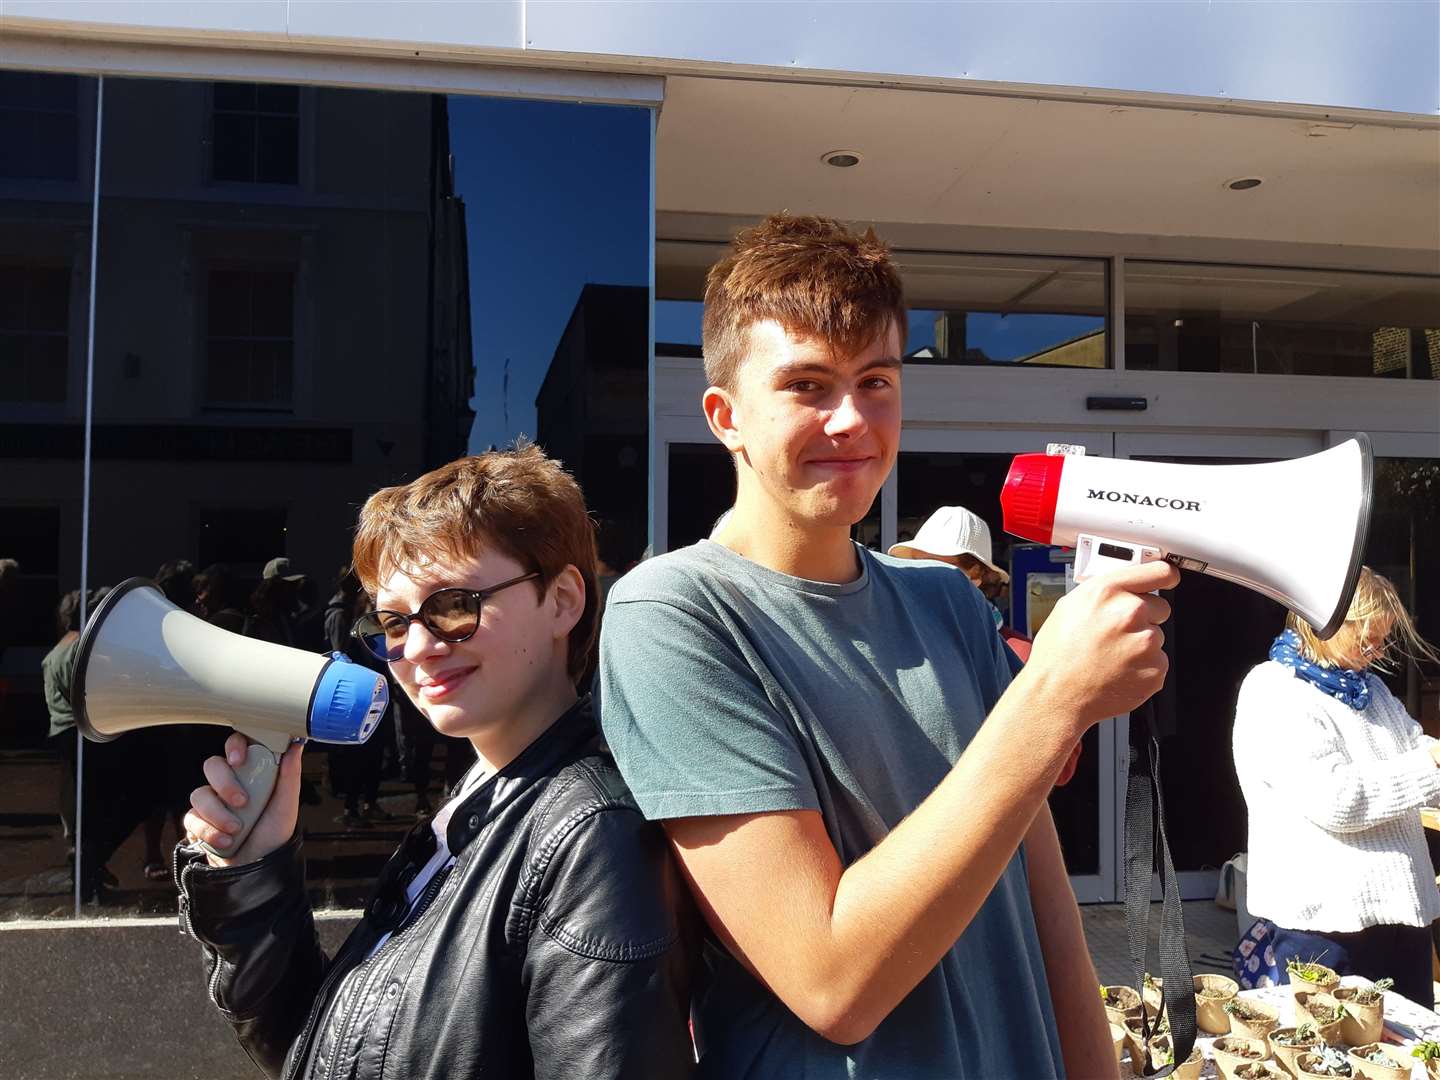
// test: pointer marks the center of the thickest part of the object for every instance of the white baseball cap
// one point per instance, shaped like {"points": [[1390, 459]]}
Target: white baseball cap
{"points": [[950, 531]]}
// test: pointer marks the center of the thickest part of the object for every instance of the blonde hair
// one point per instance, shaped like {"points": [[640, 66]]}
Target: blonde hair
{"points": [[1376, 603]]}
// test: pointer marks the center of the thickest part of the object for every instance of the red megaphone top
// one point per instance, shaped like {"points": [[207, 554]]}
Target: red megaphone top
{"points": [[1028, 498]]}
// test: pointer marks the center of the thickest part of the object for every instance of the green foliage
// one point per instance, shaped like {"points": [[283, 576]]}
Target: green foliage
{"points": [[1243, 1009], [1311, 971], [1331, 1062], [1304, 1035], [1369, 995], [1426, 1051]]}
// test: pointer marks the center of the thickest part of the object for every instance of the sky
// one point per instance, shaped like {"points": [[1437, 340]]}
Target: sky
{"points": [[556, 195]]}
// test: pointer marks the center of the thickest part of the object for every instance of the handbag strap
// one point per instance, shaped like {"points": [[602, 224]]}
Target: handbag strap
{"points": [[1144, 822]]}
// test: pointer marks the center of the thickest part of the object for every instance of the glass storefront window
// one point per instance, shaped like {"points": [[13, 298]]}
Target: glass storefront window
{"points": [[701, 488], [1260, 320], [47, 130], [1005, 310], [303, 294], [1403, 522], [1009, 310]]}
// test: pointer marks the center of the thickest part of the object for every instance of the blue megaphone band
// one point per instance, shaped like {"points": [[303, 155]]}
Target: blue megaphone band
{"points": [[349, 701]]}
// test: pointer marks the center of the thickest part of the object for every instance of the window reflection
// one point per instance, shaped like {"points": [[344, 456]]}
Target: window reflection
{"points": [[304, 294], [701, 488], [964, 309], [34, 332], [1259, 320], [1403, 520], [45, 201], [40, 125], [255, 133]]}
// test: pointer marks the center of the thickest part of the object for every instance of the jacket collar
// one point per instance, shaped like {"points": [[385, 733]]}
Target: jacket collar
{"points": [[557, 744]]}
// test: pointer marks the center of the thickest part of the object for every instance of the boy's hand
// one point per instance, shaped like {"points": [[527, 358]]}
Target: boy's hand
{"points": [[1100, 653]]}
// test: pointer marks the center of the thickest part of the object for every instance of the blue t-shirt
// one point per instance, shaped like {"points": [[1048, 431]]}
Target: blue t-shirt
{"points": [[729, 688]]}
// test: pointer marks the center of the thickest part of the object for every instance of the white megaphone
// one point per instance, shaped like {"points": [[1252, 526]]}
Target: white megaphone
{"points": [[1291, 530], [143, 662]]}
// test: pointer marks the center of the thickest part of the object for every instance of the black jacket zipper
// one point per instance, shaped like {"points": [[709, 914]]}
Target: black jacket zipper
{"points": [[322, 997]]}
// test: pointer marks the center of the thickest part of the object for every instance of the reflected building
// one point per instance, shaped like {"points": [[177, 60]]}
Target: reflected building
{"points": [[591, 411], [281, 327]]}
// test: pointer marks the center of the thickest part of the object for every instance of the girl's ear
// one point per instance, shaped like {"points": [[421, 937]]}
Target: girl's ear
{"points": [[567, 597]]}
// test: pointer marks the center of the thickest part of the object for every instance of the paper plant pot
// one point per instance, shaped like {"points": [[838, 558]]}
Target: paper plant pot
{"points": [[1117, 1036], [1304, 1067], [1310, 1007], [1120, 1003], [1154, 995], [1211, 994], [1161, 1048], [1327, 982], [1362, 1023], [1284, 1053], [1260, 1070], [1232, 1051], [1268, 1020], [1135, 1046], [1396, 1068]]}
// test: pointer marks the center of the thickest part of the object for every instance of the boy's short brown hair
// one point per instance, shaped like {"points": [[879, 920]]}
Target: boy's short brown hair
{"points": [[813, 276], [517, 502]]}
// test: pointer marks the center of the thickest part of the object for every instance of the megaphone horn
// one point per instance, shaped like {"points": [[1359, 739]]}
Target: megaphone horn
{"points": [[143, 662], [1293, 530]]}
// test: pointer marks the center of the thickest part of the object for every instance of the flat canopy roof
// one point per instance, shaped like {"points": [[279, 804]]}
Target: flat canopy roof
{"points": [[936, 166]]}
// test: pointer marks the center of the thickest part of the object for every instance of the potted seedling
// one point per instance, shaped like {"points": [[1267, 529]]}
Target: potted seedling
{"points": [[1311, 975], [1325, 1062], [1211, 994], [1153, 990], [1251, 1018], [1364, 1011], [1288, 1043], [1119, 1002], [1162, 1052], [1259, 1070], [1323, 1011], [1135, 1040], [1373, 1062], [1429, 1053], [1232, 1051]]}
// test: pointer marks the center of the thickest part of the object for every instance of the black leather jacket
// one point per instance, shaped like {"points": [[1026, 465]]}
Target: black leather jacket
{"points": [[560, 944]]}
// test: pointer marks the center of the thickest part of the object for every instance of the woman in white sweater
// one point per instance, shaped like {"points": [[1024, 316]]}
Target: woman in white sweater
{"points": [[1334, 773]]}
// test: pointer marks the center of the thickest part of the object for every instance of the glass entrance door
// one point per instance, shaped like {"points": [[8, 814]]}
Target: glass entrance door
{"points": [[968, 468]]}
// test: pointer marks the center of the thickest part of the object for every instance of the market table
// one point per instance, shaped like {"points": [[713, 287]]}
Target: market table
{"points": [[1405, 1023]]}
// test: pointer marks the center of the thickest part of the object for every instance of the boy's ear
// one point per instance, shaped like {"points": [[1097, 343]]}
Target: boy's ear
{"points": [[722, 414], [567, 594]]}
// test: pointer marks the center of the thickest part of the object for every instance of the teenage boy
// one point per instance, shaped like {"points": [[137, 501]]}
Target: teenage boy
{"points": [[856, 798]]}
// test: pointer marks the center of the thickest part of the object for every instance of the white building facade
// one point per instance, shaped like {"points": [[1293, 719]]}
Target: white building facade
{"points": [[1188, 231]]}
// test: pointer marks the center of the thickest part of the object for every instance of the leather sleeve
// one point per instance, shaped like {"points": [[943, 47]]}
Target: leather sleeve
{"points": [[613, 940], [263, 960]]}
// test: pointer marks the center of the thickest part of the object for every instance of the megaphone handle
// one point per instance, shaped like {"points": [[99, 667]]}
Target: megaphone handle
{"points": [[257, 775]]}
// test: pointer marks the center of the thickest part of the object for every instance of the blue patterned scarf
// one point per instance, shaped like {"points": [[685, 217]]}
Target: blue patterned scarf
{"points": [[1351, 687]]}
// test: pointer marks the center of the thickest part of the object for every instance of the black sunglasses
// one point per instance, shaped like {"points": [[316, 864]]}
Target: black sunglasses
{"points": [[452, 615]]}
